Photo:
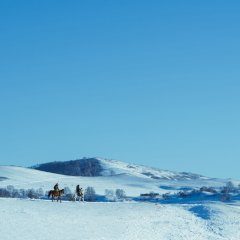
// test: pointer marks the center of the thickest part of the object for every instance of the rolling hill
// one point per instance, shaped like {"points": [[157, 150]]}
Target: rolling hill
{"points": [[103, 174], [92, 167]]}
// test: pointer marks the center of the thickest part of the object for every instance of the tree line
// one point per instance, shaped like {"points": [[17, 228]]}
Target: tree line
{"points": [[89, 194]]}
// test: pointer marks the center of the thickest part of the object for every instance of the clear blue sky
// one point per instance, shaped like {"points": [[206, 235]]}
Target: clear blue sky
{"points": [[148, 82]]}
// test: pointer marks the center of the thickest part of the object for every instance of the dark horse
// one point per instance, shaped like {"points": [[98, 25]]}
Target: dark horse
{"points": [[56, 194]]}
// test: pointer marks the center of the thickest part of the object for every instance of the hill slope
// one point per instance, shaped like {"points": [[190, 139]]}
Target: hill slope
{"points": [[134, 179], [102, 167]]}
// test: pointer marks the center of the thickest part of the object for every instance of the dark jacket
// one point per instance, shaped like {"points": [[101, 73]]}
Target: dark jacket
{"points": [[56, 187], [78, 190]]}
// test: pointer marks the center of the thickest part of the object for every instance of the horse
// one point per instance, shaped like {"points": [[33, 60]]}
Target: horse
{"points": [[56, 194], [79, 195]]}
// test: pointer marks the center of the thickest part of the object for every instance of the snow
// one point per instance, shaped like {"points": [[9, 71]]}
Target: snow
{"points": [[39, 219], [172, 220], [119, 167]]}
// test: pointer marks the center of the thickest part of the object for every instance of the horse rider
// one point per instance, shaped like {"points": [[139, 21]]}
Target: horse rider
{"points": [[78, 190], [56, 188]]}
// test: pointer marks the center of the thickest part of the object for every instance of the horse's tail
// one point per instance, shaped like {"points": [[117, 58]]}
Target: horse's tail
{"points": [[49, 193]]}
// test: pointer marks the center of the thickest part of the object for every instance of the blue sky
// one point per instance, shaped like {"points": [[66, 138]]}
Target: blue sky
{"points": [[148, 82]]}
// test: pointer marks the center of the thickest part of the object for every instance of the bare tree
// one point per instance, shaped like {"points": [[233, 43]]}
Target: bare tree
{"points": [[89, 194], [120, 194]]}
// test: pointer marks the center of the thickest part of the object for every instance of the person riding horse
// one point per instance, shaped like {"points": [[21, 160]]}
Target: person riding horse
{"points": [[56, 193], [79, 192]]}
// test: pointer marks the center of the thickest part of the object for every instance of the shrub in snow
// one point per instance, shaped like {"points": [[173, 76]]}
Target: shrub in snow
{"points": [[183, 194], [12, 192], [10, 188], [89, 194], [120, 194], [39, 192], [208, 189], [166, 196], [149, 195], [188, 194], [15, 193], [70, 197], [67, 191], [4, 193], [23, 193], [194, 192], [225, 193], [153, 194], [46, 193], [225, 197], [110, 196], [31, 193], [228, 188]]}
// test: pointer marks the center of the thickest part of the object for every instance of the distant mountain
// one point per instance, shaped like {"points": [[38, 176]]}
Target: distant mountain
{"points": [[92, 167]]}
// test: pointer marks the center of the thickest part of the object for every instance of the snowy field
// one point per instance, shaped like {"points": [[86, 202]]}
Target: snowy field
{"points": [[201, 219], [40, 220]]}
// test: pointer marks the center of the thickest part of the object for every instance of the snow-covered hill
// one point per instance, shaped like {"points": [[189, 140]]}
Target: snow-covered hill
{"points": [[134, 179], [25, 178], [111, 167], [104, 167]]}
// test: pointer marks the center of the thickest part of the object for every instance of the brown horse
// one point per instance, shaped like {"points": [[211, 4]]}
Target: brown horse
{"points": [[56, 194]]}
